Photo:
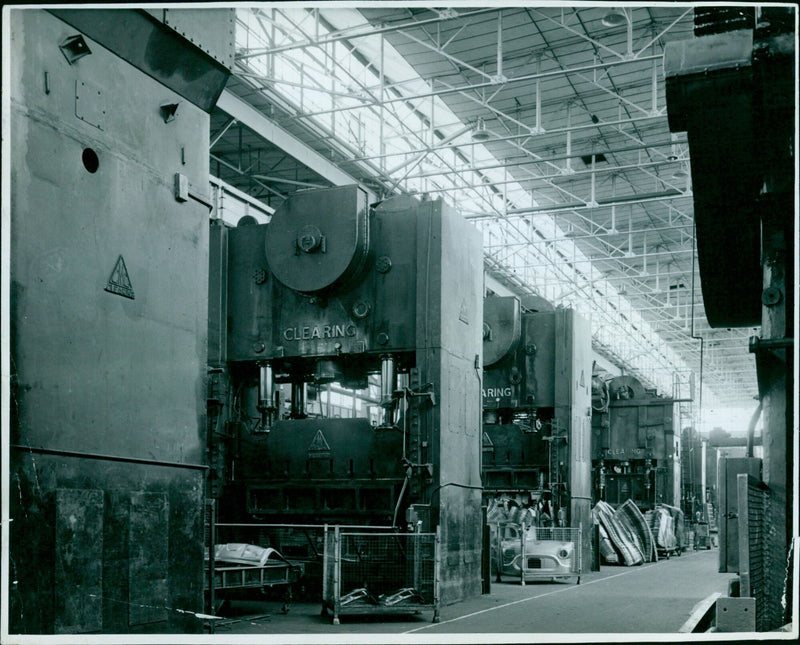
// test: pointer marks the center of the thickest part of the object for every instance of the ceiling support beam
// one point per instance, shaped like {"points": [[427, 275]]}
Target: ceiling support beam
{"points": [[244, 173], [596, 43], [626, 279], [368, 31], [553, 177], [525, 160], [591, 236], [621, 200], [291, 182], [267, 129], [221, 133], [663, 32], [381, 112], [472, 87]]}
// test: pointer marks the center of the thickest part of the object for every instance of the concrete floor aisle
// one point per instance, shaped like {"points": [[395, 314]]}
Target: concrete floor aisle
{"points": [[655, 598]]}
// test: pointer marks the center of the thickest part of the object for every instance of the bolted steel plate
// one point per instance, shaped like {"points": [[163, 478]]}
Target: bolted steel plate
{"points": [[318, 241]]}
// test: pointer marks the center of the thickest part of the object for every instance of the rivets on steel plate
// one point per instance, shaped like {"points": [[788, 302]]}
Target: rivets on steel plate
{"points": [[361, 309], [258, 347]]}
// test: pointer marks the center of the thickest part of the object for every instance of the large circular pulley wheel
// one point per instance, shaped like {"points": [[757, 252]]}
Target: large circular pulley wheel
{"points": [[318, 241], [501, 328]]}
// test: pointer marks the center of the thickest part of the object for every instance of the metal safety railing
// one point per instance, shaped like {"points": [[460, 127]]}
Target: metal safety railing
{"points": [[535, 553], [379, 572]]}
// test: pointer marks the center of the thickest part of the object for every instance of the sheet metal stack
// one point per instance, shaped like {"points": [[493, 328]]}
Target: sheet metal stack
{"points": [[625, 536], [507, 510], [630, 516], [666, 525]]}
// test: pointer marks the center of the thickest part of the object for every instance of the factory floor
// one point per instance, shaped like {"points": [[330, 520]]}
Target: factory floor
{"points": [[654, 598]]}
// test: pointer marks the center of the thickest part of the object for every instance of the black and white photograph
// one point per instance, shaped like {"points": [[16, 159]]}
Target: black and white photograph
{"points": [[391, 322]]}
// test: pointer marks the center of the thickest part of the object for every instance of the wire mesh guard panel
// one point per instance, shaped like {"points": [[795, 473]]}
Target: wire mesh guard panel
{"points": [[757, 501], [536, 553], [368, 573]]}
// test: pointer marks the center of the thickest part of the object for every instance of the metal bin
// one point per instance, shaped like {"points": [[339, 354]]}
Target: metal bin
{"points": [[379, 573]]}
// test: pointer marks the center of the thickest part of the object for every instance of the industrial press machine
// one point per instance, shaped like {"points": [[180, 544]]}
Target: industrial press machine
{"points": [[537, 409], [335, 290], [635, 452]]}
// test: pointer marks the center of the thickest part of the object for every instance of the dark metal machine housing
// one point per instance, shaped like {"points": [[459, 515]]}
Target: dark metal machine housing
{"points": [[536, 407], [109, 247], [635, 453], [334, 290], [734, 92]]}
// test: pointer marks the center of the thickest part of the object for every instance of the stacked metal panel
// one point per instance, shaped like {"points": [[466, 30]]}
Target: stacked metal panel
{"points": [[621, 536], [630, 515]]}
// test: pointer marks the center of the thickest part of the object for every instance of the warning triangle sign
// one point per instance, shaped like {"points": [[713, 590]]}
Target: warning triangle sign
{"points": [[120, 282], [319, 446], [487, 442], [463, 313]]}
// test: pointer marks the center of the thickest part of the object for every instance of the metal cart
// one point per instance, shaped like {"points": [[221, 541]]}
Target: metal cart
{"points": [[379, 573], [536, 553], [234, 579], [665, 553]]}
